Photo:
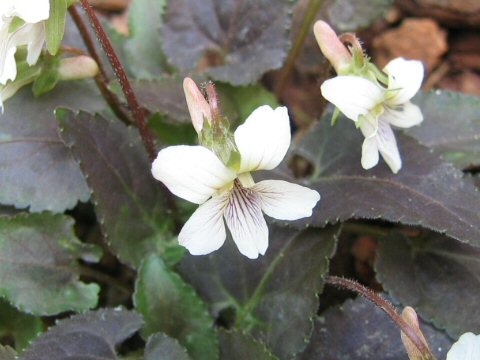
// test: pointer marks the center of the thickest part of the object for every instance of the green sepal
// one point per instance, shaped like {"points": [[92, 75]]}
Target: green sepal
{"points": [[217, 137], [48, 76], [335, 115], [379, 74], [55, 25], [15, 24]]}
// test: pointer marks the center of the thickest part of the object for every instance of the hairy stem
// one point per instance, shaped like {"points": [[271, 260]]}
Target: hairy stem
{"points": [[306, 26], [383, 304], [137, 112], [101, 79]]}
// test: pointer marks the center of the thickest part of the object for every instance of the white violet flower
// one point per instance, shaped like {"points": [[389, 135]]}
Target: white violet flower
{"points": [[21, 23], [376, 108], [196, 174], [466, 348]]}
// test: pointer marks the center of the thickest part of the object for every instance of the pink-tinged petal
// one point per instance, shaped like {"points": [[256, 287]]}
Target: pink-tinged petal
{"points": [[205, 232], [466, 348], [193, 173], [31, 11], [403, 116], [198, 107], [370, 155], [331, 46], [404, 79], [284, 200], [387, 145], [245, 220], [263, 139], [352, 95]]}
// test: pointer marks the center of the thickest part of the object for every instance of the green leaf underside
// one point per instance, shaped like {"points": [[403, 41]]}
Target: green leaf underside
{"points": [[171, 306], [236, 345], [172, 134], [22, 327], [427, 191], [436, 275], [38, 254], [348, 15], [55, 25], [240, 101], [37, 169], [93, 335], [451, 126], [243, 39], [359, 330], [143, 47], [274, 297], [161, 346], [127, 199]]}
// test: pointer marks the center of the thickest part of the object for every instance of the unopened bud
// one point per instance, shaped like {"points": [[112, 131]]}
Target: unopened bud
{"points": [[77, 68], [331, 46], [197, 105], [410, 317]]}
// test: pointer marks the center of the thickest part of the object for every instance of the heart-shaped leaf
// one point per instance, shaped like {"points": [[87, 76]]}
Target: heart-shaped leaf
{"points": [[359, 330], [171, 306], [275, 297], [93, 335], [240, 39], [37, 169], [38, 254], [427, 191], [436, 275], [128, 201]]}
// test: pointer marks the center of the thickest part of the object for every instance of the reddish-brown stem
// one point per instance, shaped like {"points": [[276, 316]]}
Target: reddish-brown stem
{"points": [[212, 98], [101, 79], [385, 306], [102, 83], [137, 112], [350, 40]]}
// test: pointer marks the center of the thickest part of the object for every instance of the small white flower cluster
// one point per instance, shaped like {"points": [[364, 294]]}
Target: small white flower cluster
{"points": [[373, 106], [22, 22]]}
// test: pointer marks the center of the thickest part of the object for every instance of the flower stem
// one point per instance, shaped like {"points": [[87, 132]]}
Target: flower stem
{"points": [[306, 26], [101, 79], [137, 112], [383, 304], [127, 89]]}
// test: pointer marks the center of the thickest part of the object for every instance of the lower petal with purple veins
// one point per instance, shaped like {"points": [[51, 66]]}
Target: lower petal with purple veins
{"points": [[244, 218]]}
